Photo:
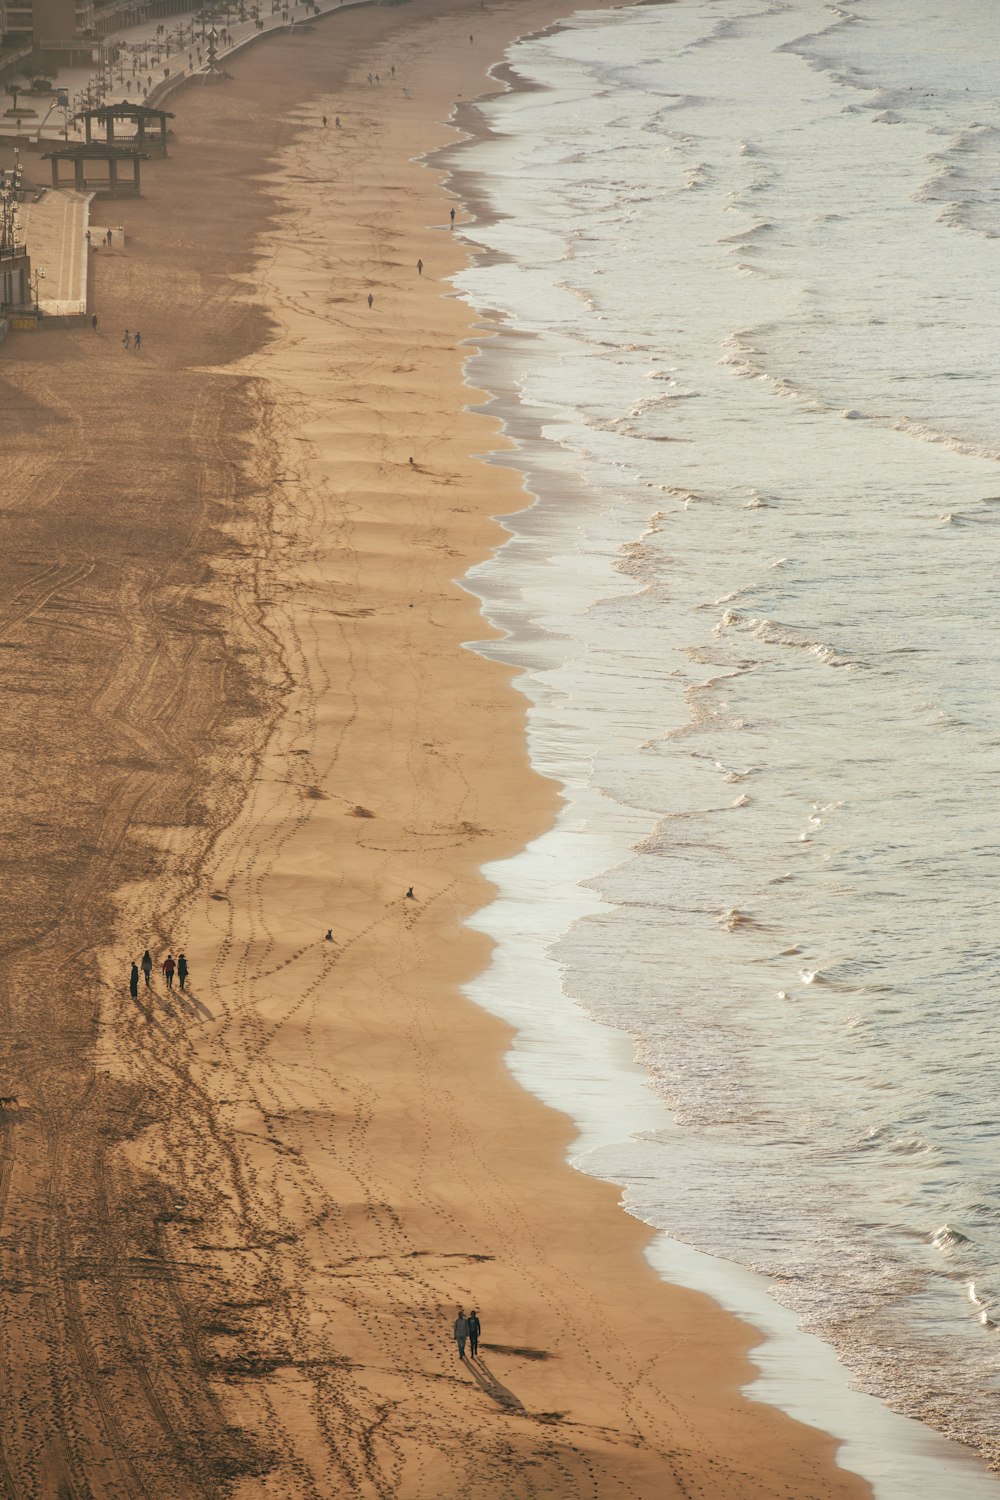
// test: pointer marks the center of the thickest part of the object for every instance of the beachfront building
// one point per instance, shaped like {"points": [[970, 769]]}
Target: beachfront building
{"points": [[49, 25], [15, 264], [74, 29], [15, 279]]}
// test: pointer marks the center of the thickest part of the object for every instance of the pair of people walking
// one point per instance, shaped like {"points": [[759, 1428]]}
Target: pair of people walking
{"points": [[467, 1328], [168, 968]]}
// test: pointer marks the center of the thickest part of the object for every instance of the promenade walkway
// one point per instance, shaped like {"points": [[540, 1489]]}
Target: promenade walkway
{"points": [[55, 231]]}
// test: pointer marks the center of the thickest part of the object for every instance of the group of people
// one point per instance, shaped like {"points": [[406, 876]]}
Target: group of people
{"points": [[168, 968], [467, 1327], [131, 340]]}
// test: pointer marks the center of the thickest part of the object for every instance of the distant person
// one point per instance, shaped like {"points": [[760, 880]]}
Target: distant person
{"points": [[133, 981], [328, 935], [93, 322], [137, 339], [420, 268], [409, 892], [108, 238], [336, 121], [182, 970], [371, 300], [324, 122], [470, 38], [392, 70], [475, 1328], [412, 464], [126, 340], [168, 967], [146, 965], [453, 218], [461, 1331]]}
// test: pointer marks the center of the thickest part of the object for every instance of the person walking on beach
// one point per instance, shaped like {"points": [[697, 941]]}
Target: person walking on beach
{"points": [[168, 967], [324, 122], [453, 218], [336, 121], [371, 300], [461, 1331], [126, 340], [182, 969], [420, 268], [108, 238], [137, 340], [146, 965], [475, 1328], [133, 981], [93, 322]]}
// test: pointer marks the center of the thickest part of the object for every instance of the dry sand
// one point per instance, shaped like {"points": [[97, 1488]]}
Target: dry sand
{"points": [[236, 1224]]}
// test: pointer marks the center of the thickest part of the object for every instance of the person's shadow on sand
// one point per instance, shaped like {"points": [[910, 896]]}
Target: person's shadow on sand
{"points": [[487, 1381], [147, 1013], [199, 1008]]}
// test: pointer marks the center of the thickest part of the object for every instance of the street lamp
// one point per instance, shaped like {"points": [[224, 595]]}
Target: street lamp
{"points": [[36, 278]]}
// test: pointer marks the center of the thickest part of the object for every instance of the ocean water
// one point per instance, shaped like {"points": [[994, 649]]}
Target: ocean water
{"points": [[744, 255]]}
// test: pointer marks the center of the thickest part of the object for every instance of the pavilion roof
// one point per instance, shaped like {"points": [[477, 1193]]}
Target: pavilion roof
{"points": [[124, 109]]}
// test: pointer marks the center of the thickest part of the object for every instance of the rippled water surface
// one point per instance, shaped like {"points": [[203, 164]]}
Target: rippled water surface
{"points": [[757, 247]]}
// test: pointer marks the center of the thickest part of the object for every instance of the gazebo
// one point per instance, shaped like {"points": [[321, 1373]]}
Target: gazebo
{"points": [[148, 126], [110, 185]]}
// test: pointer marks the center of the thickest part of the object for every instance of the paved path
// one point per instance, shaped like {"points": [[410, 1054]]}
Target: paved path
{"points": [[55, 230]]}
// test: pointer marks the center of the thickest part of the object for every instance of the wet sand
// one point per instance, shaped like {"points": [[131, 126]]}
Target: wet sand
{"points": [[236, 1223]]}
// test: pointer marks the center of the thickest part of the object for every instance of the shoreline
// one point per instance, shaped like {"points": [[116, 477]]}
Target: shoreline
{"points": [[562, 1052], [278, 1187]]}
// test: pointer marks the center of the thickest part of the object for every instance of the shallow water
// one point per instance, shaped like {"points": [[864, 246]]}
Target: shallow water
{"points": [[745, 256]]}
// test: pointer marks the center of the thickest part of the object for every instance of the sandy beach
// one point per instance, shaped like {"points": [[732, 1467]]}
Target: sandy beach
{"points": [[237, 1222]]}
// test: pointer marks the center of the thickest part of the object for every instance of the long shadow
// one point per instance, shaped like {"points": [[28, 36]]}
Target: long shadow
{"points": [[147, 1015], [487, 1381], [199, 1008]]}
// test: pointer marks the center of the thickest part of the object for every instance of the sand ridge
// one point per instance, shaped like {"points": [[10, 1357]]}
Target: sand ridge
{"points": [[237, 1222]]}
